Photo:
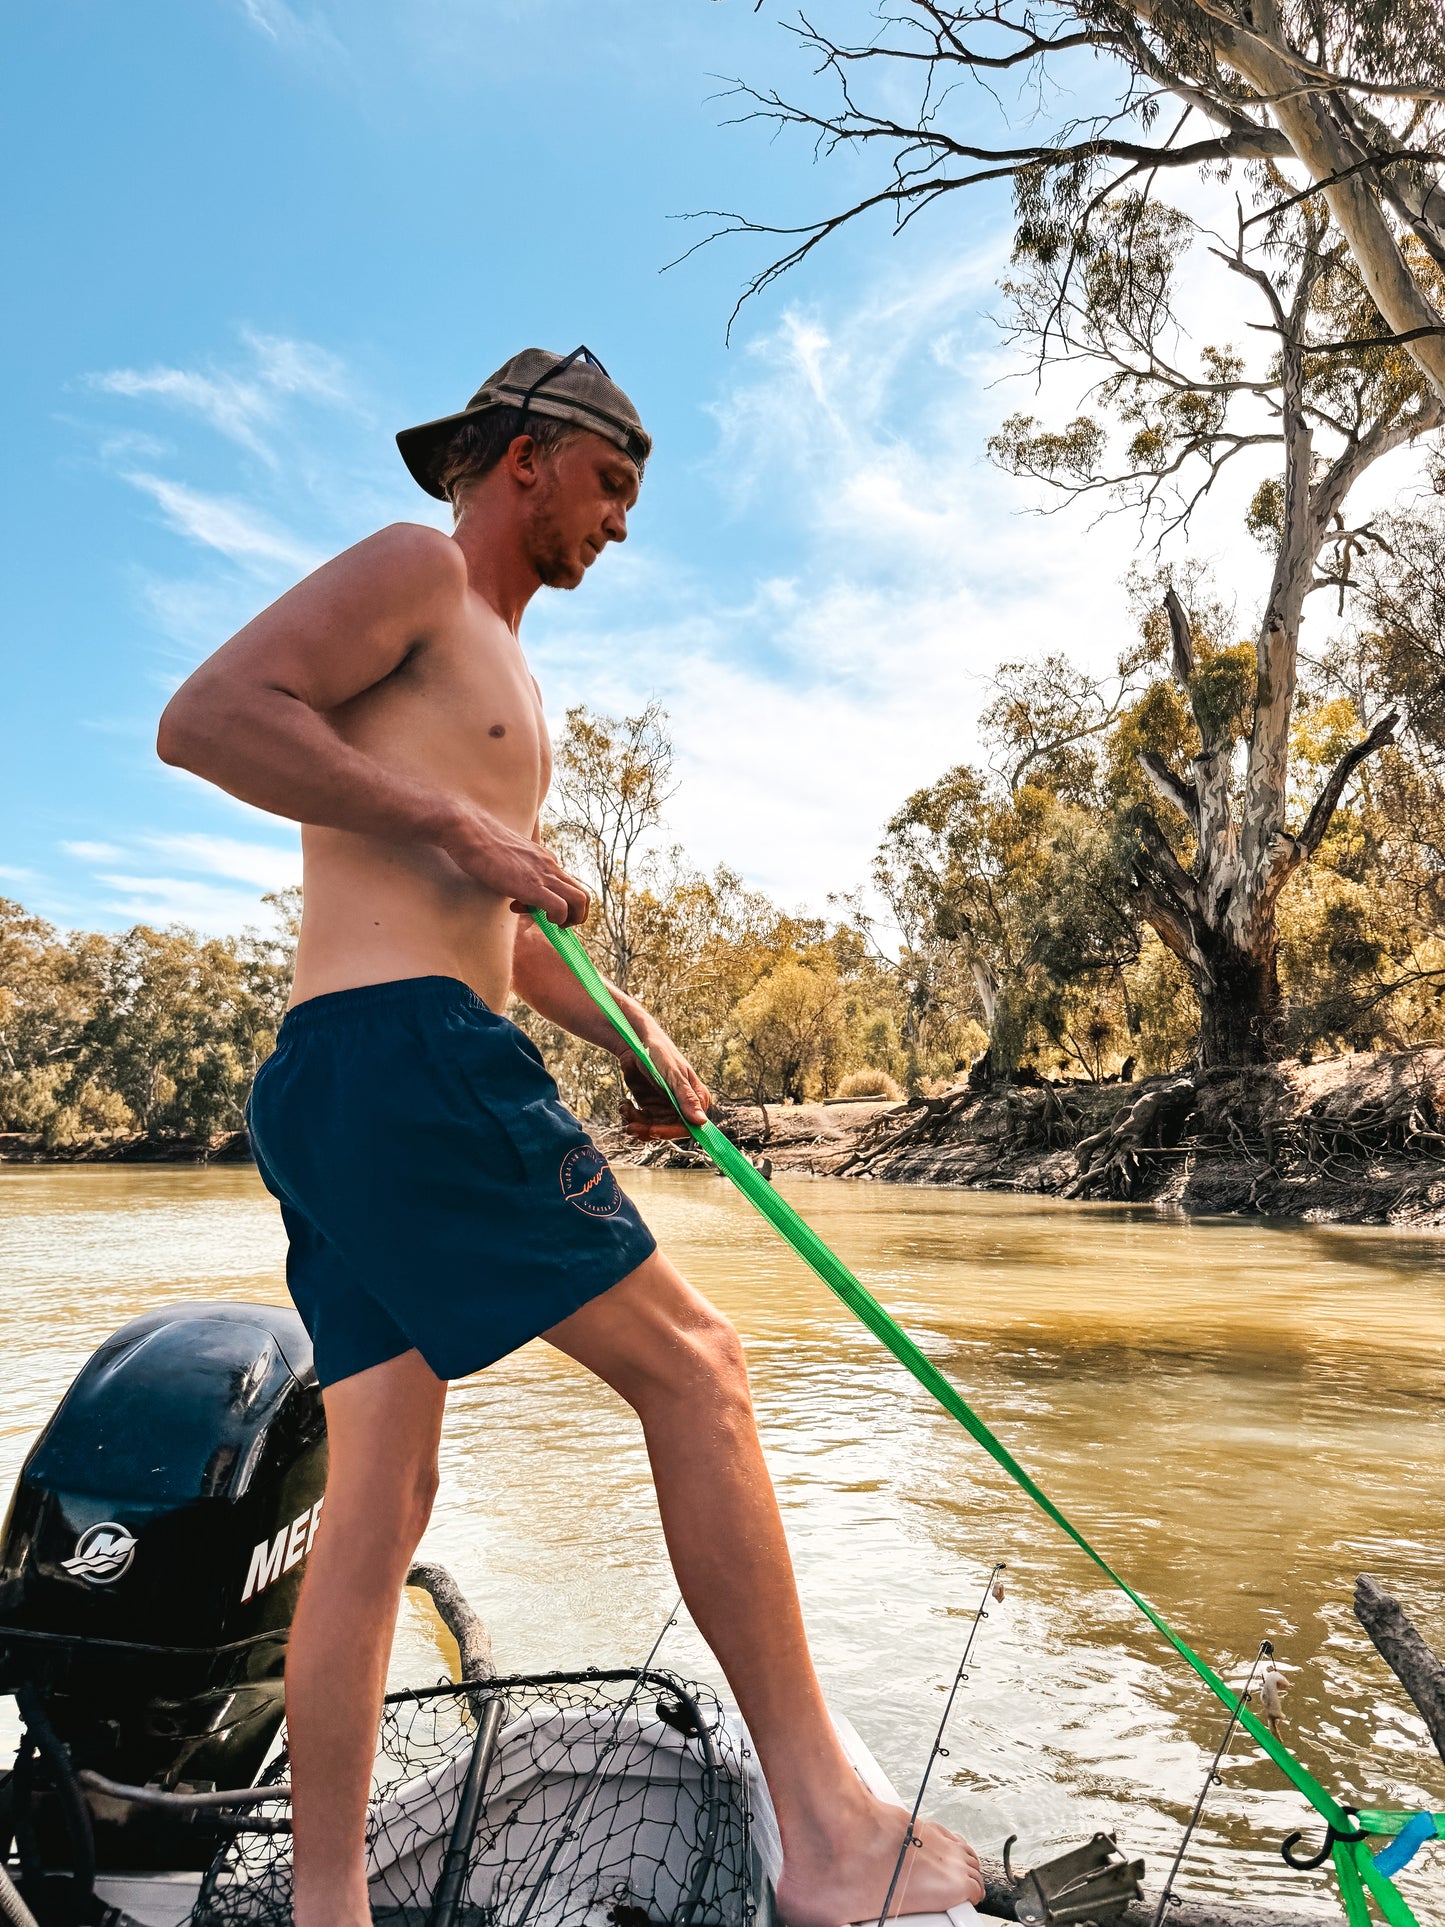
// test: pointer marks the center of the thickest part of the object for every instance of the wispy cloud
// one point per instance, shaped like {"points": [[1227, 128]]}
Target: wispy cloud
{"points": [[233, 407], [219, 522], [212, 883], [94, 852], [239, 404], [264, 864], [271, 520], [209, 907], [296, 32], [809, 704]]}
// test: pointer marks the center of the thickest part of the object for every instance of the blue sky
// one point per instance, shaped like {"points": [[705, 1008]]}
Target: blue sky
{"points": [[249, 240]]}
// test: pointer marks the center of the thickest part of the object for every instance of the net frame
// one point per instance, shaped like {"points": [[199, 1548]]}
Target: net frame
{"points": [[608, 1797]]}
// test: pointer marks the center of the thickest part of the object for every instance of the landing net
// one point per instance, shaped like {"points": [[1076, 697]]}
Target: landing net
{"points": [[597, 1799]]}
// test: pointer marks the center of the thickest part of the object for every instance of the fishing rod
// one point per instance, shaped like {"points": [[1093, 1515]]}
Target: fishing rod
{"points": [[569, 1830], [1212, 1778], [993, 1588]]}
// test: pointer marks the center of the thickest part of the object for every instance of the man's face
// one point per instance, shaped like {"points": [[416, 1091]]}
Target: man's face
{"points": [[580, 503]]}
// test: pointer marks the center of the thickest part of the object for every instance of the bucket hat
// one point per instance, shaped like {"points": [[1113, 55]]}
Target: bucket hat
{"points": [[570, 388]]}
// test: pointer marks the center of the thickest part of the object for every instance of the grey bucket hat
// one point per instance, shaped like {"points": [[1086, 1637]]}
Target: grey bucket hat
{"points": [[570, 388]]}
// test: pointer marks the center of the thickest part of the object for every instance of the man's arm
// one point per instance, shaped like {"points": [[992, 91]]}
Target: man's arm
{"points": [[541, 979], [252, 718]]}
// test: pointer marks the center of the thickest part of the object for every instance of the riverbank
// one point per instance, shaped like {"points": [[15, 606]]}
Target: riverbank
{"points": [[1356, 1139], [125, 1147]]}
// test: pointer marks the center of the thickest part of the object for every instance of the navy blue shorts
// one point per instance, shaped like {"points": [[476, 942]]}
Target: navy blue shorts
{"points": [[436, 1192]]}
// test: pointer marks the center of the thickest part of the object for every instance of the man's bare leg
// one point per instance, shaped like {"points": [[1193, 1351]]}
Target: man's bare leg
{"points": [[383, 1426], [679, 1364]]}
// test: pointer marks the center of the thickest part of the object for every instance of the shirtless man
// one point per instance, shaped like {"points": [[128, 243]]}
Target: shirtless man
{"points": [[442, 1207]]}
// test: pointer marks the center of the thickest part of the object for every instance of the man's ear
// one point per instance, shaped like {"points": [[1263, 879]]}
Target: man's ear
{"points": [[521, 461]]}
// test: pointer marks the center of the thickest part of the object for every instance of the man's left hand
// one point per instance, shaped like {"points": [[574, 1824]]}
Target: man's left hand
{"points": [[649, 1115]]}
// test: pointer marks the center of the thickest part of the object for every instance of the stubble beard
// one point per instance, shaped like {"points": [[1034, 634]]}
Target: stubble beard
{"points": [[548, 550]]}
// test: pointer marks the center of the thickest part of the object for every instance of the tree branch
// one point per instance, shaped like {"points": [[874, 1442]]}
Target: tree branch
{"points": [[1184, 796], [1170, 873], [1371, 164], [1326, 803], [1317, 79], [1405, 1653], [1358, 343], [1181, 635], [1166, 918], [474, 1642]]}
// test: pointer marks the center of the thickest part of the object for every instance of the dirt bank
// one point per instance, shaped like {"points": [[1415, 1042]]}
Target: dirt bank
{"points": [[1353, 1140], [128, 1147]]}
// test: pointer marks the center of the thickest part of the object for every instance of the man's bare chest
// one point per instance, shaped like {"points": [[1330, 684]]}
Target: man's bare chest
{"points": [[464, 710]]}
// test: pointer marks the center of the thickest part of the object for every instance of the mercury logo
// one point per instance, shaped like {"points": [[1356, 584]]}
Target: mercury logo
{"points": [[272, 1557], [102, 1553]]}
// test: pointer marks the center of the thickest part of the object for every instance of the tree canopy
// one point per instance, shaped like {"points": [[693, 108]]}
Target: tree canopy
{"points": [[1290, 152]]}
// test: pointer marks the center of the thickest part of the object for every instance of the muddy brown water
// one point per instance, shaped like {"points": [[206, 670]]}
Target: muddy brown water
{"points": [[1241, 1416]]}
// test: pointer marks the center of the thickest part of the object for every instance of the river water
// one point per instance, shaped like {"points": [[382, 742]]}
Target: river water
{"points": [[1241, 1416]]}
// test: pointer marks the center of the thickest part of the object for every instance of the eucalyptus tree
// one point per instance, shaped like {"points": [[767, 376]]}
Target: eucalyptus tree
{"points": [[1024, 882], [1303, 143], [611, 781]]}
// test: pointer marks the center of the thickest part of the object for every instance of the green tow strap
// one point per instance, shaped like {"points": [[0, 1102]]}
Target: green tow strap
{"points": [[1354, 1865]]}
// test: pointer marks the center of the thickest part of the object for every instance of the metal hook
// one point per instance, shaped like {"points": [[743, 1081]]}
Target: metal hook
{"points": [[1332, 1834]]}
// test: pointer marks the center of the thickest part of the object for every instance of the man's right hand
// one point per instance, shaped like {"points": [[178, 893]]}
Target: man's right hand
{"points": [[514, 867]]}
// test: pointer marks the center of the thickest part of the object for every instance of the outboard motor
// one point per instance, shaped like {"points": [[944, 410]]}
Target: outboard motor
{"points": [[149, 1568]]}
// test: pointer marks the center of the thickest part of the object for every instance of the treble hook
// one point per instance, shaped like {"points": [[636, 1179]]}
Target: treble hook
{"points": [[1332, 1834]]}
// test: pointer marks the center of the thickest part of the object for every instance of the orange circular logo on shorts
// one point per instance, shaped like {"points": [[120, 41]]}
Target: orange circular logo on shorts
{"points": [[587, 1182]]}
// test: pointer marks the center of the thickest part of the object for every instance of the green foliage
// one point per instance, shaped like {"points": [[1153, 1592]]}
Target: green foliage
{"points": [[786, 1036], [1264, 518], [1164, 1019], [1158, 721], [153, 1030], [1027, 887], [610, 781], [1072, 453]]}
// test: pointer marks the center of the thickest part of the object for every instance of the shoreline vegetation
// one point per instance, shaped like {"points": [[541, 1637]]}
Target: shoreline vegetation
{"points": [[1004, 1017], [1356, 1139]]}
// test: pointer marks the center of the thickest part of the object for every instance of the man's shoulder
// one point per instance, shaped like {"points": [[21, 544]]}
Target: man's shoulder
{"points": [[406, 569], [413, 550]]}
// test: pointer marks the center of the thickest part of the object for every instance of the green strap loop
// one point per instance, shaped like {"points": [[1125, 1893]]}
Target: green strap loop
{"points": [[859, 1300], [1390, 1821]]}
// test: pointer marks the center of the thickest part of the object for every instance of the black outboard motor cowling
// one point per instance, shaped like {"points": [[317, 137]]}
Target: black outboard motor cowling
{"points": [[154, 1548]]}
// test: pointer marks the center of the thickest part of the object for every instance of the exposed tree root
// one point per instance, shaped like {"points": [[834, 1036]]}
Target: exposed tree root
{"points": [[1111, 1160]]}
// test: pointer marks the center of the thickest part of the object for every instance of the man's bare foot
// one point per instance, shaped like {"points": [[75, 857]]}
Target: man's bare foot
{"points": [[831, 1880]]}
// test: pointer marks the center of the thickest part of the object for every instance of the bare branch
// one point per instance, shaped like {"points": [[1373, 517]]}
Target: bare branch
{"points": [[1163, 915], [1371, 163], [474, 1642], [1360, 341], [1405, 1653], [1172, 788], [1320, 79], [1169, 873], [1182, 637]]}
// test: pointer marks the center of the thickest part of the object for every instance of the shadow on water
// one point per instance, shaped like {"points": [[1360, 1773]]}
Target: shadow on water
{"points": [[1242, 1415]]}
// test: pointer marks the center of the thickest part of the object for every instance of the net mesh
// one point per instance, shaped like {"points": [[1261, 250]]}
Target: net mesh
{"points": [[596, 1799]]}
